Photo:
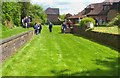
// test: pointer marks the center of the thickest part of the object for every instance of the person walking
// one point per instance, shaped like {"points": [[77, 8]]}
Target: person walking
{"points": [[28, 22], [23, 22], [36, 28], [50, 27], [64, 27], [40, 28]]}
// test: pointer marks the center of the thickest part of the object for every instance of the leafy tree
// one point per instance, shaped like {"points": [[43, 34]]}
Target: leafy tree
{"points": [[62, 17], [11, 13], [38, 14], [25, 9], [115, 21]]}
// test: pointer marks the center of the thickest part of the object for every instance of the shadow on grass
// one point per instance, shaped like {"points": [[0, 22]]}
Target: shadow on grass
{"points": [[112, 65]]}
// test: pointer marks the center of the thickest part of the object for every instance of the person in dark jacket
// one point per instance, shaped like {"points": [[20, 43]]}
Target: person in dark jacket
{"points": [[40, 28], [36, 28], [50, 27], [26, 22], [64, 27]]}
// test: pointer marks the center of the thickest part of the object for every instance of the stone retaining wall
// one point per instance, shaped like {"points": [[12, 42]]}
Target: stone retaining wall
{"points": [[10, 45], [111, 40]]}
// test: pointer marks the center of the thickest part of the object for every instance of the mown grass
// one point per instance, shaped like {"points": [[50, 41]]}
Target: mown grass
{"points": [[106, 29], [57, 54], [6, 32]]}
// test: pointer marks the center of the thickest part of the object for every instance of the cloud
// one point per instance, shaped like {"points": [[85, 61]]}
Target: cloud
{"points": [[63, 3], [66, 6]]}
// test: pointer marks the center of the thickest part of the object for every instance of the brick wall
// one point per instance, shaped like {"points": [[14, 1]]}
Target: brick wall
{"points": [[10, 45], [111, 40], [53, 18]]}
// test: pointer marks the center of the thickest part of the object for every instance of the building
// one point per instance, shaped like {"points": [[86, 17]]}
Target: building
{"points": [[115, 9], [67, 16], [106, 11], [75, 18], [53, 15]]}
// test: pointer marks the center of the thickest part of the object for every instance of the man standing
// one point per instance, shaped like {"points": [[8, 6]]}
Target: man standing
{"points": [[64, 27], [29, 20], [50, 27]]}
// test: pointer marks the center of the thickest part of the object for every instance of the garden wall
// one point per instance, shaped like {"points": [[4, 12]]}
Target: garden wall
{"points": [[111, 40], [10, 45]]}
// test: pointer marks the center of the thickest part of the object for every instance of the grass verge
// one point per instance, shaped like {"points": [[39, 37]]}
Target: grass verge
{"points": [[57, 54]]}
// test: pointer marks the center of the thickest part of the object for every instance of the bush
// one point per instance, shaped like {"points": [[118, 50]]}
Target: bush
{"points": [[11, 13], [115, 21], [3, 28], [32, 24], [86, 20]]}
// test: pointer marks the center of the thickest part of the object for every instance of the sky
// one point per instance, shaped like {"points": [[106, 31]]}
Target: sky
{"points": [[66, 6]]}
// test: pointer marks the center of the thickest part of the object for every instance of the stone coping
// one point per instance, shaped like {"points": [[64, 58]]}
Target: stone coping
{"points": [[13, 37]]}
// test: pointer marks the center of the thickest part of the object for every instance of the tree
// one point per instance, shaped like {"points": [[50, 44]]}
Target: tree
{"points": [[11, 14], [62, 17], [115, 21], [25, 9], [38, 14]]}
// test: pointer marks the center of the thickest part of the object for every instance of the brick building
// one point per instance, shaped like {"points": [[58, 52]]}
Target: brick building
{"points": [[67, 16], [106, 11], [53, 15]]}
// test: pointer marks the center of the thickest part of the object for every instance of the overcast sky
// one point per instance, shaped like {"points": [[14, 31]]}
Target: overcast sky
{"points": [[66, 6]]}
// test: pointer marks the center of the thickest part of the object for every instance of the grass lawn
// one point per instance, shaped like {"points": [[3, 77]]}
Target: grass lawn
{"points": [[12, 32], [56, 54], [112, 29]]}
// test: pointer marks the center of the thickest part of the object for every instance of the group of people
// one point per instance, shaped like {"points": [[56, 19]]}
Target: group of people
{"points": [[99, 21], [37, 28], [66, 25], [26, 21]]}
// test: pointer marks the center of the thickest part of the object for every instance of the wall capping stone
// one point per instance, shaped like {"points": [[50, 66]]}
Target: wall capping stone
{"points": [[13, 37]]}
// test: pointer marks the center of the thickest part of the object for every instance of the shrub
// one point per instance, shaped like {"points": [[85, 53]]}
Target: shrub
{"points": [[86, 20], [11, 13], [115, 21], [32, 24], [35, 20], [3, 28]]}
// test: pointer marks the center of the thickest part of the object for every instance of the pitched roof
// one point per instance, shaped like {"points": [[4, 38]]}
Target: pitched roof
{"points": [[68, 15], [52, 11], [98, 9], [79, 15], [111, 1]]}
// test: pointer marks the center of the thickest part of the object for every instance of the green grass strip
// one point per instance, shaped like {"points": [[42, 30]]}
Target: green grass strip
{"points": [[57, 54]]}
